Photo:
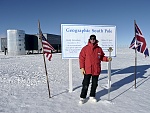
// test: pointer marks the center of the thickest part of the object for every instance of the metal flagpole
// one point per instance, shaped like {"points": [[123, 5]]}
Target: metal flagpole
{"points": [[109, 73], [135, 56], [40, 36]]}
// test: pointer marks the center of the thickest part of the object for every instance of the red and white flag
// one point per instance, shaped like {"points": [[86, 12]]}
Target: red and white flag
{"points": [[47, 47]]}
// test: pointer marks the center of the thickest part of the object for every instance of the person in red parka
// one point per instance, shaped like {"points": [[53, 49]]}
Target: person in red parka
{"points": [[90, 58]]}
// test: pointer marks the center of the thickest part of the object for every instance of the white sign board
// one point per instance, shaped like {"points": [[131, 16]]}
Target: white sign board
{"points": [[75, 36]]}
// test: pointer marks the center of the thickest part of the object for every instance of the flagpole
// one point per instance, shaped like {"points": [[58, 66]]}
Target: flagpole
{"points": [[135, 57], [40, 36]]}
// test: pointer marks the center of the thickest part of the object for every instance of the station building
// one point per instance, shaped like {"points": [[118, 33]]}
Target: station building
{"points": [[19, 43]]}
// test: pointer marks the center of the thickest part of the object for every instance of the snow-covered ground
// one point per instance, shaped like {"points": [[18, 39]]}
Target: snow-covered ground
{"points": [[23, 86]]}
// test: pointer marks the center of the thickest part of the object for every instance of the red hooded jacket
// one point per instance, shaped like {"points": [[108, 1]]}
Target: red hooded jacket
{"points": [[90, 58]]}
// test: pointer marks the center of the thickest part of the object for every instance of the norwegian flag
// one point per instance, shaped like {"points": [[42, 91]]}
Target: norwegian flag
{"points": [[47, 48], [139, 42]]}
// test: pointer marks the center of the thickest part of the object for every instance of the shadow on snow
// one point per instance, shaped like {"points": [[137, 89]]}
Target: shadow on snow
{"points": [[141, 70]]}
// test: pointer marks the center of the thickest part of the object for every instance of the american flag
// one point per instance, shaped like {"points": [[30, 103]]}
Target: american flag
{"points": [[47, 48], [139, 42]]}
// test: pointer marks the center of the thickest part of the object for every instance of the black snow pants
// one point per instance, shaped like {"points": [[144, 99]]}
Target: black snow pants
{"points": [[85, 85]]}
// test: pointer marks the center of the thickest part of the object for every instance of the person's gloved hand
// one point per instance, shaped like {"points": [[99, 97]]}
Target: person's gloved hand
{"points": [[109, 59], [82, 71]]}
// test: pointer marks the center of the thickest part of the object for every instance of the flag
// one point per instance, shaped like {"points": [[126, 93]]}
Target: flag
{"points": [[139, 42], [47, 48]]}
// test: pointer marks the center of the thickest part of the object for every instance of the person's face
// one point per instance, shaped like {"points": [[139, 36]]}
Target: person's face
{"points": [[92, 40]]}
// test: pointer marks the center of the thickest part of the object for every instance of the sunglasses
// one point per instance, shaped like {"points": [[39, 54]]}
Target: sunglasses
{"points": [[92, 38]]}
